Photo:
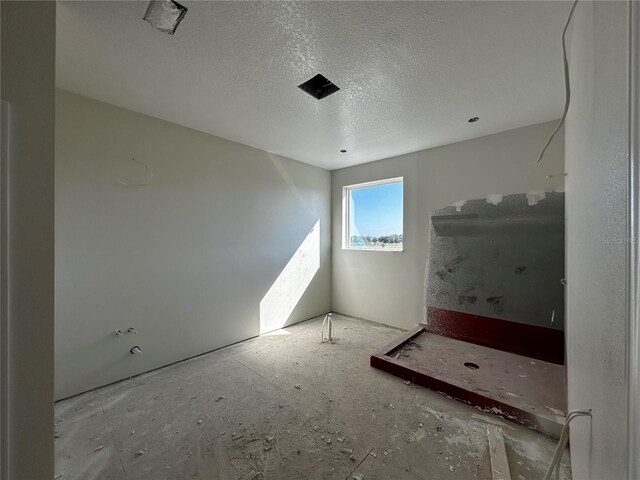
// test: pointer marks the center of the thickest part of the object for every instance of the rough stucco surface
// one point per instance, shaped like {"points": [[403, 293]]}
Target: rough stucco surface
{"points": [[411, 73], [596, 159], [28, 32], [186, 260], [502, 261], [389, 287]]}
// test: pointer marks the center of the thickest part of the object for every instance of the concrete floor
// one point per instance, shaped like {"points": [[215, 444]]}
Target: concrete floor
{"points": [[284, 407]]}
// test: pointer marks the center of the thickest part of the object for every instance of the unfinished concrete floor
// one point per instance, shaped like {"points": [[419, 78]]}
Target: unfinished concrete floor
{"points": [[284, 407]]}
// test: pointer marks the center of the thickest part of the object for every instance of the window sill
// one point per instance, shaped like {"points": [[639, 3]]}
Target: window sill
{"points": [[387, 250]]}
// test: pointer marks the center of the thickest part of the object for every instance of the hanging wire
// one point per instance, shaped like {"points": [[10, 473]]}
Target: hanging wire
{"points": [[567, 85]]}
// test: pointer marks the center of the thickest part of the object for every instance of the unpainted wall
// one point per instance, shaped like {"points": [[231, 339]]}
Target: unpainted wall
{"points": [[186, 260], [502, 261], [389, 287]]}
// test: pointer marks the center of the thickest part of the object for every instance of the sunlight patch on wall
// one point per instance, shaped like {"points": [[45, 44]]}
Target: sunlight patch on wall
{"points": [[285, 293]]}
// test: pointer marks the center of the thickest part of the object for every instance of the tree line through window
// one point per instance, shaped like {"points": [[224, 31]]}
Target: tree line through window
{"points": [[382, 241], [373, 215]]}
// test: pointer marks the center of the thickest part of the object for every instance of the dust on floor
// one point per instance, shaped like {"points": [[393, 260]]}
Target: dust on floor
{"points": [[284, 407]]}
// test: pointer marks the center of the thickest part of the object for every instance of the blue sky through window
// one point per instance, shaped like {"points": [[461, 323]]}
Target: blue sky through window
{"points": [[376, 210]]}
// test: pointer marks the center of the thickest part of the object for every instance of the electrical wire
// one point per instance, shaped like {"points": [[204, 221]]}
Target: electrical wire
{"points": [[567, 85], [562, 443]]}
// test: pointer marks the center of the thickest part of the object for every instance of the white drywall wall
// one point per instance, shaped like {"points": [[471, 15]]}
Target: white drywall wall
{"points": [[389, 286], [596, 212], [185, 260], [28, 79]]}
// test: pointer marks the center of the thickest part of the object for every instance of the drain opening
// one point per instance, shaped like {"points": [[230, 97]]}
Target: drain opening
{"points": [[471, 365]]}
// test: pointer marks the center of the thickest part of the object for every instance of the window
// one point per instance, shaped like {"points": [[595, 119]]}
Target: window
{"points": [[372, 216]]}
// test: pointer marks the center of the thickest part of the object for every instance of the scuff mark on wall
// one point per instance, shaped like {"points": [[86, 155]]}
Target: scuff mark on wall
{"points": [[467, 299], [497, 303], [450, 267], [502, 260]]}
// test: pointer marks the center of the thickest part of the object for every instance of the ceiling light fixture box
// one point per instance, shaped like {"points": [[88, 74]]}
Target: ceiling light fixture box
{"points": [[319, 87], [165, 15]]}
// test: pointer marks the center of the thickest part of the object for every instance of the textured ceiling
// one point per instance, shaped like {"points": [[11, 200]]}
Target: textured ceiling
{"points": [[410, 73]]}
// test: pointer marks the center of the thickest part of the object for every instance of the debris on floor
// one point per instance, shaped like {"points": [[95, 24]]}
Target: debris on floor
{"points": [[331, 427], [140, 453]]}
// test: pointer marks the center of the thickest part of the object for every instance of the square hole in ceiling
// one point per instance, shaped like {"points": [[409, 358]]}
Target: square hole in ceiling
{"points": [[319, 87], [165, 15]]}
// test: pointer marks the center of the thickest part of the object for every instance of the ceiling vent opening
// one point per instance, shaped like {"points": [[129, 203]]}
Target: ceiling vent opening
{"points": [[165, 15], [319, 87]]}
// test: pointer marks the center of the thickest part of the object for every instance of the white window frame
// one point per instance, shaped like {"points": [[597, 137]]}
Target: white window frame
{"points": [[346, 213]]}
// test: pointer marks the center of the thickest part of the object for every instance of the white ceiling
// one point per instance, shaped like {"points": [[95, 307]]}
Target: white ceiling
{"points": [[410, 73]]}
